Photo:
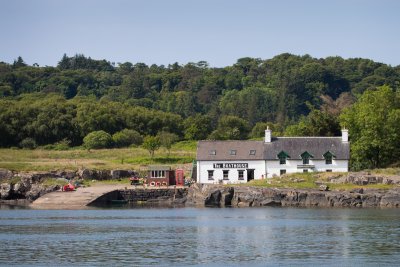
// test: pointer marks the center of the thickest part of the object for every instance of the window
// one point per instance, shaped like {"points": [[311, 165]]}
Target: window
{"points": [[241, 174], [282, 172], [157, 174], [328, 161], [328, 157], [252, 152], [213, 152], [328, 170], [225, 174], [210, 175], [305, 170], [306, 157], [282, 156], [233, 152]]}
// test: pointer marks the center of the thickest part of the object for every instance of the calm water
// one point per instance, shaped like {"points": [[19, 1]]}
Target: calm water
{"points": [[190, 236]]}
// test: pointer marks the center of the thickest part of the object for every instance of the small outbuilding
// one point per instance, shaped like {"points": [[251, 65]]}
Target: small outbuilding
{"points": [[160, 175]]}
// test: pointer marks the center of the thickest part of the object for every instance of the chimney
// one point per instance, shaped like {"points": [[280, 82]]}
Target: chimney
{"points": [[345, 135], [268, 135]]}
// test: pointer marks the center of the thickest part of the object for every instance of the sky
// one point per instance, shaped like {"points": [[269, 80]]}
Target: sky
{"points": [[216, 31]]}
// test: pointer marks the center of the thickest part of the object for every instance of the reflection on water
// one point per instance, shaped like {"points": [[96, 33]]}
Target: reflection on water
{"points": [[190, 236]]}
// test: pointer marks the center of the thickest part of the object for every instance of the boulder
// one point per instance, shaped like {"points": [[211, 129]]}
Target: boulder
{"points": [[5, 174], [117, 174], [323, 187], [391, 199], [5, 190], [85, 174], [38, 190]]}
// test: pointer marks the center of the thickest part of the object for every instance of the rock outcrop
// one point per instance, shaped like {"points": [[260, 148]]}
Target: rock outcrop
{"points": [[364, 178], [30, 186], [242, 196]]}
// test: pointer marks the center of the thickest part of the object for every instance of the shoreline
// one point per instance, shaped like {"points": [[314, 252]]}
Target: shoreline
{"points": [[202, 195]]}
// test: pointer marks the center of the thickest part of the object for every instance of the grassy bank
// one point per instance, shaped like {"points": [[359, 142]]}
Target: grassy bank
{"points": [[313, 180], [75, 158]]}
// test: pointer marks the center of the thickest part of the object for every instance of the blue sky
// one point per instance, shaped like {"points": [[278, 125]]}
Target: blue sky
{"points": [[217, 31]]}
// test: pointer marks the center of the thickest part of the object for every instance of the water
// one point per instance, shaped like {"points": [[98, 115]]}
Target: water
{"points": [[206, 236]]}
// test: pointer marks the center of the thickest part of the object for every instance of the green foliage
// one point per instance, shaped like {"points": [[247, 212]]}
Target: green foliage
{"points": [[374, 128], [230, 128], [193, 101], [317, 123], [252, 104], [186, 145], [197, 127], [97, 140], [151, 144], [28, 143], [260, 127], [167, 139], [127, 137]]}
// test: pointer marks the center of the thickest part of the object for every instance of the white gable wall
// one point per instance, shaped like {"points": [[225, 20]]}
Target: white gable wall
{"points": [[204, 166]]}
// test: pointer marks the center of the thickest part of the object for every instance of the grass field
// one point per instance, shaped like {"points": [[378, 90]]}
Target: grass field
{"points": [[182, 153]]}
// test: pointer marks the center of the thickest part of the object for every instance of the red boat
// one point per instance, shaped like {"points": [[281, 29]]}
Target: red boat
{"points": [[68, 187]]}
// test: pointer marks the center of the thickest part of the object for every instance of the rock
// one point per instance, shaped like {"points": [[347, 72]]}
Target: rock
{"points": [[117, 174], [323, 187], [391, 199], [85, 174], [254, 196], [5, 190], [357, 190], [38, 190], [66, 174], [5, 174], [94, 174]]}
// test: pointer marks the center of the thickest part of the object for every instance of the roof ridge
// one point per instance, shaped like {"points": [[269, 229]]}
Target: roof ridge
{"points": [[304, 137]]}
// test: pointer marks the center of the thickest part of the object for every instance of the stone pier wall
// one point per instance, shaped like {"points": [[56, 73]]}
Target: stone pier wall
{"points": [[171, 195]]}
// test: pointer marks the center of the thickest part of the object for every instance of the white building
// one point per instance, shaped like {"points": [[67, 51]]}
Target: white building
{"points": [[242, 161]]}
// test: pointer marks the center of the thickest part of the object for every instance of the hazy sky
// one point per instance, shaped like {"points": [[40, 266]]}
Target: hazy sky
{"points": [[217, 31]]}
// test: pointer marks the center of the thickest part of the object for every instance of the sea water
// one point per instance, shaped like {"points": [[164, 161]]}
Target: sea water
{"points": [[200, 236]]}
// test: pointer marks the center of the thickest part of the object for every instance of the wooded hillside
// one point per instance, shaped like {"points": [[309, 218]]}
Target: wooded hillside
{"points": [[294, 95]]}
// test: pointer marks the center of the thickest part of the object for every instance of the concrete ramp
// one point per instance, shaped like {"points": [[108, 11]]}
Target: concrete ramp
{"points": [[73, 200]]}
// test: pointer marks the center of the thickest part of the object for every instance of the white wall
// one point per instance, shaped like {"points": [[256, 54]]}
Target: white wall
{"points": [[204, 166], [273, 166]]}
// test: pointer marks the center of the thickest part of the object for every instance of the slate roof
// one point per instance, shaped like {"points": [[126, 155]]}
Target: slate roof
{"points": [[293, 146], [223, 150], [159, 168], [316, 146]]}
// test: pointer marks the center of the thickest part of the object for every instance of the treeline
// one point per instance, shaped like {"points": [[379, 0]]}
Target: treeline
{"points": [[294, 95]]}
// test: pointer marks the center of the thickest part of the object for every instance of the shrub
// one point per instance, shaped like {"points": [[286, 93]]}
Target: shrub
{"points": [[97, 139], [127, 137], [28, 143]]}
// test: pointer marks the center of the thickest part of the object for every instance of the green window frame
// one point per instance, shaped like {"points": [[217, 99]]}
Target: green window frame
{"points": [[282, 156], [328, 157], [306, 157]]}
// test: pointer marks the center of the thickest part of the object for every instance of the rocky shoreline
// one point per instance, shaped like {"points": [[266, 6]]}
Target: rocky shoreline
{"points": [[25, 187], [245, 196]]}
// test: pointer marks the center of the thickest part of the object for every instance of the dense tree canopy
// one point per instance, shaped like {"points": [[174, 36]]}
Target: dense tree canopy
{"points": [[374, 125], [294, 95]]}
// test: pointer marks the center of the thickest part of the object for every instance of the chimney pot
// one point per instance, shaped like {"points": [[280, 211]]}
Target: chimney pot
{"points": [[345, 135], [268, 135]]}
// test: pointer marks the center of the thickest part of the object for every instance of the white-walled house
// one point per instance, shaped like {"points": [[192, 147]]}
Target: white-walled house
{"points": [[242, 161]]}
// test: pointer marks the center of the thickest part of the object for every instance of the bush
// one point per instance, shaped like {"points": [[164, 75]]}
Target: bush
{"points": [[28, 143], [127, 137], [97, 139]]}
